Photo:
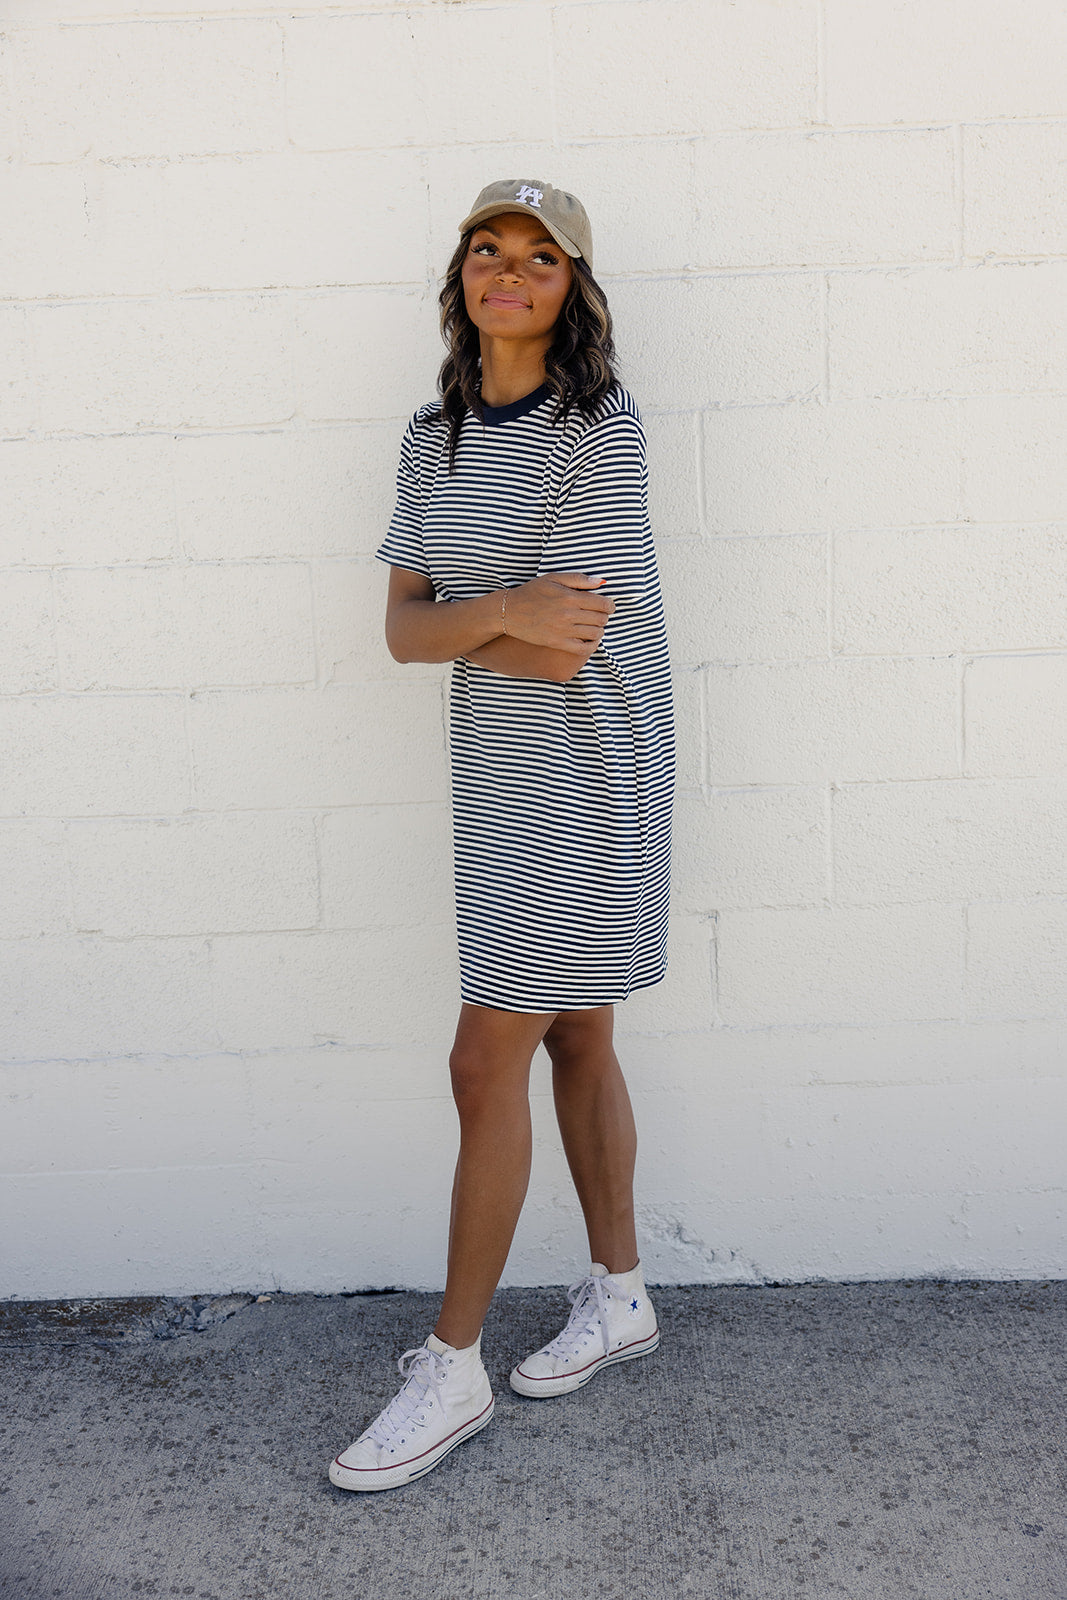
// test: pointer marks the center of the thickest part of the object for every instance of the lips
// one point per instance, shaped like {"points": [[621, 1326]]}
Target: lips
{"points": [[506, 301]]}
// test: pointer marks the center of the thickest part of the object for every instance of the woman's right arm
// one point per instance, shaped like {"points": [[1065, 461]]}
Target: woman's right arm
{"points": [[559, 612], [417, 628]]}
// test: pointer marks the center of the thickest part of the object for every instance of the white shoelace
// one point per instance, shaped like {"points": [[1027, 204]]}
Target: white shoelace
{"points": [[425, 1370], [584, 1315]]}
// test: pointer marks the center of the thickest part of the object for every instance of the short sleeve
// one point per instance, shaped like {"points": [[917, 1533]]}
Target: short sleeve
{"points": [[403, 542], [601, 523]]}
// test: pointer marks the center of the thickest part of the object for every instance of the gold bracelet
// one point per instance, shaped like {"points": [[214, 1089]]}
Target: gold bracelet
{"points": [[503, 610]]}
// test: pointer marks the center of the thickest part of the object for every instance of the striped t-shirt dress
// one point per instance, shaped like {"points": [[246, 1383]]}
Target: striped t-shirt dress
{"points": [[561, 792]]}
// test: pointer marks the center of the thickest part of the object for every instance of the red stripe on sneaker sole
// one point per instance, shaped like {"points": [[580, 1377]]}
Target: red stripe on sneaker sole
{"points": [[444, 1445], [639, 1348]]}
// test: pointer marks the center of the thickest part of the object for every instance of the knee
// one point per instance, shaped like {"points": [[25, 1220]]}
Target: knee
{"points": [[566, 1048], [576, 1043], [467, 1069], [478, 1082]]}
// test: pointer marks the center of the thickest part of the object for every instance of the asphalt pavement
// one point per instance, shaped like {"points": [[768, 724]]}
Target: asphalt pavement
{"points": [[869, 1441]]}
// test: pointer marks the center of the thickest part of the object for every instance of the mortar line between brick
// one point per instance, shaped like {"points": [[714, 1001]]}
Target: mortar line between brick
{"points": [[222, 430], [296, 419], [429, 264], [960, 418], [705, 754], [53, 624], [313, 623], [957, 185], [718, 1020], [175, 1166], [318, 820], [207, 813], [410, 288], [68, 863], [192, 803], [700, 458], [177, 507], [279, 23], [182, 563], [236, 1053], [553, 98], [303, 685]]}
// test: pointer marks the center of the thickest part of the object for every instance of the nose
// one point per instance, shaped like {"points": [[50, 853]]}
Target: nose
{"points": [[509, 267]]}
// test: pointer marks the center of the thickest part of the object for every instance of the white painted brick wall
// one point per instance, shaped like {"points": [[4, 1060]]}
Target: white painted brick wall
{"points": [[1001, 743], [1013, 466], [979, 330], [759, 339], [173, 626], [839, 465], [106, 500], [1015, 201], [833, 239], [223, 873], [808, 198], [202, 361], [119, 89], [935, 590], [939, 61]]}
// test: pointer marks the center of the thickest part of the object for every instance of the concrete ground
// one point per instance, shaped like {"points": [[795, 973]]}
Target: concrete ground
{"points": [[871, 1441]]}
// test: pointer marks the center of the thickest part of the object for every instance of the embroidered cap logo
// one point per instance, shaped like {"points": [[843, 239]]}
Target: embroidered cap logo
{"points": [[530, 196]]}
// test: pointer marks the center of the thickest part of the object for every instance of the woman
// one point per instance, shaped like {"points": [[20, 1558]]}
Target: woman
{"points": [[520, 551]]}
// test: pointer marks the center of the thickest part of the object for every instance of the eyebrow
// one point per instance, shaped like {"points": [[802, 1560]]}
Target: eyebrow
{"points": [[544, 239]]}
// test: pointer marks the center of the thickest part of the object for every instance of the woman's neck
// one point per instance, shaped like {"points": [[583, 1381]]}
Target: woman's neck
{"points": [[512, 369]]}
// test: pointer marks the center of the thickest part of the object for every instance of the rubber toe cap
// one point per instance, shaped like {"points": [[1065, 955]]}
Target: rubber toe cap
{"points": [[362, 1454], [538, 1365]]}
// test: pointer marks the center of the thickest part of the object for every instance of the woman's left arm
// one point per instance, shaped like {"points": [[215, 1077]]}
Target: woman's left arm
{"points": [[517, 659]]}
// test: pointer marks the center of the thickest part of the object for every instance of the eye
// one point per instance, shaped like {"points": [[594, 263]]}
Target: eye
{"points": [[483, 244], [548, 257]]}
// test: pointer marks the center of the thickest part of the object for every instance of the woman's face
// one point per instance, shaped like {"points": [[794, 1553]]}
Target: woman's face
{"points": [[515, 278]]}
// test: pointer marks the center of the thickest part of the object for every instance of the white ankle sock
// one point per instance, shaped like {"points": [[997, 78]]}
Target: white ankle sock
{"points": [[627, 1280], [471, 1350]]}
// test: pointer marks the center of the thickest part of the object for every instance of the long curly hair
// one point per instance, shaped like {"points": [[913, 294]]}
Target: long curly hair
{"points": [[579, 365]]}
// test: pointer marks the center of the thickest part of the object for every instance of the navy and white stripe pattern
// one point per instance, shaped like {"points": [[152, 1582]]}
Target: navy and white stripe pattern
{"points": [[561, 792]]}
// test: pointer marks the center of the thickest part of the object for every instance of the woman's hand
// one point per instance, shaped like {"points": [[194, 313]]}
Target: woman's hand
{"points": [[558, 610]]}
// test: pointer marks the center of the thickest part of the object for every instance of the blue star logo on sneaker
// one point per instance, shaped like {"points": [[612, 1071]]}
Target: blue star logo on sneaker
{"points": [[611, 1320]]}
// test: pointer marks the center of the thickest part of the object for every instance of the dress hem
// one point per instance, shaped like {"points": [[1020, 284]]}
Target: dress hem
{"points": [[551, 1010]]}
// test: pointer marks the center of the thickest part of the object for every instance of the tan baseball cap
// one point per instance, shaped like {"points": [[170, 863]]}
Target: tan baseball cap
{"points": [[563, 216]]}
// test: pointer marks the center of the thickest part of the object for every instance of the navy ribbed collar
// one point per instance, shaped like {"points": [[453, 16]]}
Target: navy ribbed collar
{"points": [[492, 415]]}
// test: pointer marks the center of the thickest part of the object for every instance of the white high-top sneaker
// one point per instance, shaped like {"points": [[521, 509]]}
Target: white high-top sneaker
{"points": [[612, 1319], [447, 1398]]}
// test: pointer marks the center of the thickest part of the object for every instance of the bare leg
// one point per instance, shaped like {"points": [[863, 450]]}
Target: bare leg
{"points": [[596, 1123], [490, 1067]]}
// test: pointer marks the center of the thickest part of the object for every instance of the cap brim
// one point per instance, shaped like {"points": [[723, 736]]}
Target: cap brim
{"points": [[483, 214]]}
